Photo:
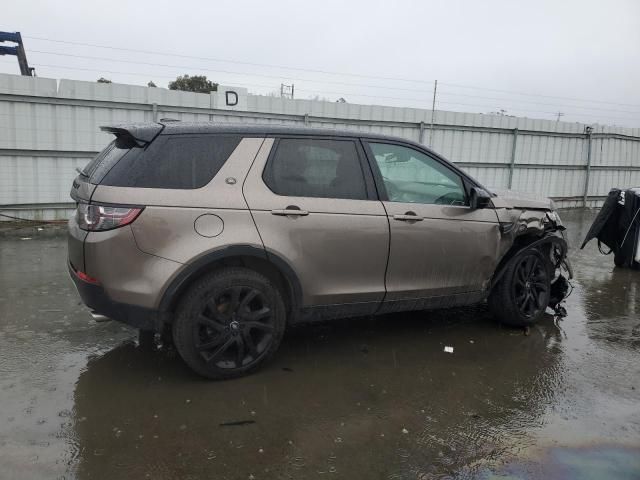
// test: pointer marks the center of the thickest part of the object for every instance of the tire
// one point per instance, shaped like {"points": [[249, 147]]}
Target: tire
{"points": [[229, 323], [521, 296]]}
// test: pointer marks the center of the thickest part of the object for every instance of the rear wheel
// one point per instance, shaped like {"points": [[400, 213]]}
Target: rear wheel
{"points": [[521, 296], [229, 323]]}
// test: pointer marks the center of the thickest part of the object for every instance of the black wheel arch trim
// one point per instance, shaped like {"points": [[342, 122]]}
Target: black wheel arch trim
{"points": [[196, 268], [510, 256]]}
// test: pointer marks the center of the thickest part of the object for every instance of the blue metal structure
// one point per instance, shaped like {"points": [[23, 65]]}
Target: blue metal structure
{"points": [[18, 51]]}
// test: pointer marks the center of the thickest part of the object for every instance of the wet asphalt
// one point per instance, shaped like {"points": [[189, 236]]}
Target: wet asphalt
{"points": [[374, 398]]}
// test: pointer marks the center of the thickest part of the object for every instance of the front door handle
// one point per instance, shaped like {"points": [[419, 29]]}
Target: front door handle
{"points": [[408, 217], [290, 211]]}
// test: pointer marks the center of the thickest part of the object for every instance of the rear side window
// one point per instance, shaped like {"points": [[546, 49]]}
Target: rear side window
{"points": [[97, 168], [316, 168], [173, 161]]}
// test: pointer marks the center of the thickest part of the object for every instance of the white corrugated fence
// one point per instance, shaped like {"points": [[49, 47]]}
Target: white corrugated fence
{"points": [[49, 127]]}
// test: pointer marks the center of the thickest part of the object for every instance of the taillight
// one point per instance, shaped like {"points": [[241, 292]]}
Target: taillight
{"points": [[86, 278], [97, 218]]}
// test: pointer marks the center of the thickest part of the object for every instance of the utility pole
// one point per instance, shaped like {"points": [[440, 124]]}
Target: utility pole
{"points": [[287, 91], [18, 51], [559, 114], [433, 111]]}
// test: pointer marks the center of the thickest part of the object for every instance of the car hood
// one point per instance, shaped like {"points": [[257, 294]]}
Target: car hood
{"points": [[513, 199]]}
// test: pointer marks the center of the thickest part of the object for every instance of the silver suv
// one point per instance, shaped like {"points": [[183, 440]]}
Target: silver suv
{"points": [[224, 235]]}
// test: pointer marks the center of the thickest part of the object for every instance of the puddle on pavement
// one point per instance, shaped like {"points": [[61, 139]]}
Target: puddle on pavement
{"points": [[374, 398], [611, 462]]}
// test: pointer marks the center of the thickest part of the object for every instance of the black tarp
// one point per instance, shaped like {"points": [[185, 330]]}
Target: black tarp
{"points": [[618, 226], [630, 222], [606, 225]]}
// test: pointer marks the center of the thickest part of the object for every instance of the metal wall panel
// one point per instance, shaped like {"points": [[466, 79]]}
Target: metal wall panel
{"points": [[37, 179], [602, 181], [551, 150], [489, 176], [550, 182], [615, 152]]}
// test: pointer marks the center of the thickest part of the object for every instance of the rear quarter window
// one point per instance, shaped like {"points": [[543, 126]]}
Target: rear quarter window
{"points": [[173, 162], [97, 168]]}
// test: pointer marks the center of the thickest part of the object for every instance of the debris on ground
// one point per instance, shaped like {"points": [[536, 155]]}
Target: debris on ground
{"points": [[238, 423], [560, 311]]}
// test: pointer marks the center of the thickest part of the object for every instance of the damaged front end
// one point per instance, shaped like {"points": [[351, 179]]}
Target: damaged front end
{"points": [[543, 231]]}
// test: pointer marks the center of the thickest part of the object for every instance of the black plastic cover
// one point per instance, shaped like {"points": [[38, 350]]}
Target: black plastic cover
{"points": [[606, 225], [618, 226], [629, 230]]}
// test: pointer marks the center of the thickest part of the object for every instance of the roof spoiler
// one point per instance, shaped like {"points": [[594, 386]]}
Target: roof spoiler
{"points": [[140, 135]]}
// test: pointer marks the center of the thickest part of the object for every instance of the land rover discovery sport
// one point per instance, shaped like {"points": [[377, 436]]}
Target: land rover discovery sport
{"points": [[225, 235]]}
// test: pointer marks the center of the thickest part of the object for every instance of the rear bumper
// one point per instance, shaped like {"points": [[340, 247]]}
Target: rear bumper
{"points": [[95, 297]]}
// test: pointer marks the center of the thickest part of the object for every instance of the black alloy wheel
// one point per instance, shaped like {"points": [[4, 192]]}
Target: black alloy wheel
{"points": [[234, 328], [521, 296], [229, 323], [531, 286]]}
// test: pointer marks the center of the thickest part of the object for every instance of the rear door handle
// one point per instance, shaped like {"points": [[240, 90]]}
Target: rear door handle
{"points": [[290, 211], [408, 217]]}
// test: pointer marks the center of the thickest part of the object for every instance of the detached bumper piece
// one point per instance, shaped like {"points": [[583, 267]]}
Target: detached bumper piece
{"points": [[94, 296], [617, 226]]}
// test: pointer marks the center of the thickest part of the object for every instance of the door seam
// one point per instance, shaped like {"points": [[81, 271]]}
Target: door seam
{"points": [[386, 267], [245, 198]]}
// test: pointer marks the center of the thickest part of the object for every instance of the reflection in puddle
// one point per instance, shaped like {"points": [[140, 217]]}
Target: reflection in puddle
{"points": [[581, 463], [346, 397]]}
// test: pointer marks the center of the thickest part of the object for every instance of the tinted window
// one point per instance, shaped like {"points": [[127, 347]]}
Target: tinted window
{"points": [[414, 177], [173, 161], [316, 168], [97, 168]]}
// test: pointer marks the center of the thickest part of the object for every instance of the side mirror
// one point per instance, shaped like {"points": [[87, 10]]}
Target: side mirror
{"points": [[479, 198]]}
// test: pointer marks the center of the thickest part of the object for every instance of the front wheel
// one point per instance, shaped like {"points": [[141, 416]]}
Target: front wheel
{"points": [[521, 296], [229, 323]]}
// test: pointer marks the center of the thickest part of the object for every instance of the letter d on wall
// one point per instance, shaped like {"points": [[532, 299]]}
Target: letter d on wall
{"points": [[231, 98]]}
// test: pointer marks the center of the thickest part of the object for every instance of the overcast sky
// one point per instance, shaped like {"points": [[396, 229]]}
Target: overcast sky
{"points": [[581, 58]]}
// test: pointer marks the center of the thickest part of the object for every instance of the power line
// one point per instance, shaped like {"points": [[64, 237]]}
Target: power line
{"points": [[502, 99], [327, 72], [485, 106], [93, 57], [311, 91], [511, 92], [424, 101], [139, 74], [238, 62], [137, 62]]}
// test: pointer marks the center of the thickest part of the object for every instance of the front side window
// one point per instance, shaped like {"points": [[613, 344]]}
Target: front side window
{"points": [[316, 168], [413, 177]]}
